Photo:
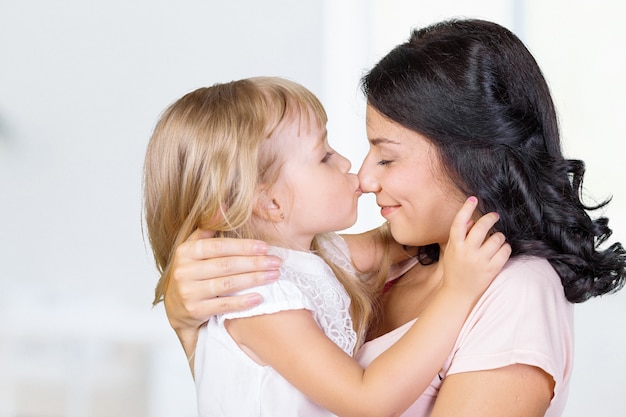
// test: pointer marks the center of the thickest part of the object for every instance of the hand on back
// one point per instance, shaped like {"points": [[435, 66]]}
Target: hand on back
{"points": [[206, 269]]}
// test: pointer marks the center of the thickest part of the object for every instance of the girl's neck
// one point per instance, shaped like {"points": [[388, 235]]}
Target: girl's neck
{"points": [[302, 245], [281, 235]]}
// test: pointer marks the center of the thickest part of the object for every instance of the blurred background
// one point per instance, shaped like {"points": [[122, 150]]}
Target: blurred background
{"points": [[82, 83]]}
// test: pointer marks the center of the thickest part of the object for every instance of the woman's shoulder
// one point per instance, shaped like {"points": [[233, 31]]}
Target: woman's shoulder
{"points": [[528, 271], [520, 263], [525, 284]]}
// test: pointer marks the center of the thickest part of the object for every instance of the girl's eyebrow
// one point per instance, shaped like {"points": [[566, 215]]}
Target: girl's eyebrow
{"points": [[322, 139]]}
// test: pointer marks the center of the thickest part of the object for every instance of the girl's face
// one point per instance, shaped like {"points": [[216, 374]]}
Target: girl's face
{"points": [[319, 195], [402, 169]]}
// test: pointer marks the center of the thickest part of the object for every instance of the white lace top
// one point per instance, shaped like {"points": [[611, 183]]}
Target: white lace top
{"points": [[229, 383]]}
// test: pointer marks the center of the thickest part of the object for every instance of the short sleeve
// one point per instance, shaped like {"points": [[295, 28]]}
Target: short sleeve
{"points": [[522, 318], [277, 296]]}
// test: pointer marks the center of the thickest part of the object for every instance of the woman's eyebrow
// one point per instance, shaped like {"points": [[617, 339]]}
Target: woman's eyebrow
{"points": [[383, 141]]}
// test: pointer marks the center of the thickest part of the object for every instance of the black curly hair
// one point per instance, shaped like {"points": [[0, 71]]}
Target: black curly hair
{"points": [[474, 90]]}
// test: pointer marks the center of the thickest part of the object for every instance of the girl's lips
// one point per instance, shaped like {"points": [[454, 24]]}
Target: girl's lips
{"points": [[387, 210]]}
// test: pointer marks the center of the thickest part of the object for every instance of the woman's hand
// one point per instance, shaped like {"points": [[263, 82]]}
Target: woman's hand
{"points": [[205, 271]]}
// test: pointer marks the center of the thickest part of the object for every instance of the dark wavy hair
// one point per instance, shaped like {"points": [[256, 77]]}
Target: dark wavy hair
{"points": [[473, 89]]}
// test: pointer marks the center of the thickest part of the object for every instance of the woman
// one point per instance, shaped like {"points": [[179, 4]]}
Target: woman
{"points": [[251, 159], [460, 109]]}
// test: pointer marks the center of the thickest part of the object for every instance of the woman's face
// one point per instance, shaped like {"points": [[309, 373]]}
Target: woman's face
{"points": [[414, 195]]}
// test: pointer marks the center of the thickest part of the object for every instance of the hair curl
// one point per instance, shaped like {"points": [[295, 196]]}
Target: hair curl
{"points": [[473, 89]]}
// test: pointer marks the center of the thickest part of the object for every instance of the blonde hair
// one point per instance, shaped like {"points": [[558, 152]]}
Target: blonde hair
{"points": [[209, 153]]}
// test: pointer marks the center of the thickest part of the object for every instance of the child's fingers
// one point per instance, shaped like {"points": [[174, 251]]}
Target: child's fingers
{"points": [[493, 244], [481, 229], [463, 220], [501, 256]]}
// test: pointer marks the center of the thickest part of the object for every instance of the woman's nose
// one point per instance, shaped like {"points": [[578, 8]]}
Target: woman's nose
{"points": [[368, 182]]}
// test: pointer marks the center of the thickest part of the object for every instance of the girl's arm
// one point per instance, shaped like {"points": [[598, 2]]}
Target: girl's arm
{"points": [[514, 391], [368, 249], [293, 344]]}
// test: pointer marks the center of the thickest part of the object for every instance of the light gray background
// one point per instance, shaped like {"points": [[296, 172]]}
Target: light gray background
{"points": [[82, 83]]}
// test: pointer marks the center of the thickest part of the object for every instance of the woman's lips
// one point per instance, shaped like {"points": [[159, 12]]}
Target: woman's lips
{"points": [[387, 210]]}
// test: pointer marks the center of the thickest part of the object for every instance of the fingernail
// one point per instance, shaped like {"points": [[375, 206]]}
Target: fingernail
{"points": [[254, 299], [274, 262], [473, 199], [260, 248], [270, 276]]}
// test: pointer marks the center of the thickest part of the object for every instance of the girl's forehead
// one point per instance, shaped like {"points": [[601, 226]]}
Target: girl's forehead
{"points": [[300, 122]]}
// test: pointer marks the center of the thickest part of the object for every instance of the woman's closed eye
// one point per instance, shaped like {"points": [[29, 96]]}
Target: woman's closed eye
{"points": [[384, 162]]}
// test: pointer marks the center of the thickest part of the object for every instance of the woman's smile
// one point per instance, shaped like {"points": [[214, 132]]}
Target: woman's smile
{"points": [[386, 211]]}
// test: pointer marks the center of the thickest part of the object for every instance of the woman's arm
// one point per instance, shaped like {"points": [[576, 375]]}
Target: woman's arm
{"points": [[205, 269], [513, 391], [292, 343]]}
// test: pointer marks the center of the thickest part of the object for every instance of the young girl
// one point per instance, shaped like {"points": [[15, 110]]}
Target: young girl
{"points": [[250, 159]]}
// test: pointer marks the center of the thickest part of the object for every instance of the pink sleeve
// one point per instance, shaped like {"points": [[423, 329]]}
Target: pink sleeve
{"points": [[522, 318]]}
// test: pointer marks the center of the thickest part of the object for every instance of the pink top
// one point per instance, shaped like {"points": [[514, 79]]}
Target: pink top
{"points": [[523, 317]]}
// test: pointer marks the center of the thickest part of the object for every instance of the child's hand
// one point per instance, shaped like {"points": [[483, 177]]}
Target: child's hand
{"points": [[472, 259]]}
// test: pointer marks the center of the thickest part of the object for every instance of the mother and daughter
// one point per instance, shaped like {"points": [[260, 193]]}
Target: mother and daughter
{"points": [[242, 188]]}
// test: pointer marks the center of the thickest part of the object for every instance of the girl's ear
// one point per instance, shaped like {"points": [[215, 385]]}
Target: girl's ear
{"points": [[268, 207]]}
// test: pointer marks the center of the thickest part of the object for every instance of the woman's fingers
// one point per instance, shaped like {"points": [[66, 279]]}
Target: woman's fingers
{"points": [[205, 272], [203, 258], [221, 305], [200, 246], [203, 286], [224, 267]]}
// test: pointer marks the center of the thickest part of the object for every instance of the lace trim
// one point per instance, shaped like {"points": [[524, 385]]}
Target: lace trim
{"points": [[306, 281]]}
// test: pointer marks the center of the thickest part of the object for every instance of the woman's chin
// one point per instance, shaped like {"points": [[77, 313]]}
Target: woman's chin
{"points": [[401, 235]]}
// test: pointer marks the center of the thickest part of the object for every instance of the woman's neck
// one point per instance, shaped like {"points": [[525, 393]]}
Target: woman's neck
{"points": [[408, 297]]}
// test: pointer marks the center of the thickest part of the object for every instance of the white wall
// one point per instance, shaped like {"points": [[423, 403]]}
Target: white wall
{"points": [[581, 49], [81, 85]]}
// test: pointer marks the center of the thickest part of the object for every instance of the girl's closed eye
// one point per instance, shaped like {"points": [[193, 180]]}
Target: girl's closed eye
{"points": [[384, 162], [327, 156]]}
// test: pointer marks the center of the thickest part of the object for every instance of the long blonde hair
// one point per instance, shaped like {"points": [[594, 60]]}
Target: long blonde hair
{"points": [[207, 156]]}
